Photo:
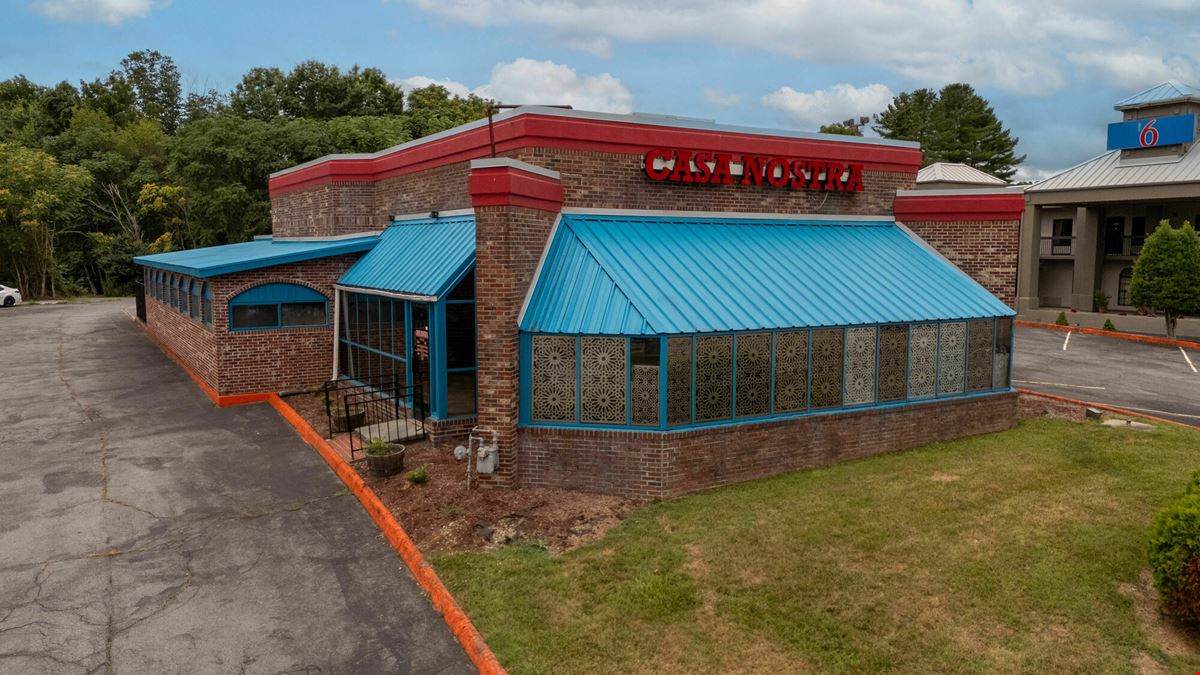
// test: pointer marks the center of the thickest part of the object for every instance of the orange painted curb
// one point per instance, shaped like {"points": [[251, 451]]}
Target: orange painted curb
{"points": [[1132, 337], [1110, 408], [460, 625]]}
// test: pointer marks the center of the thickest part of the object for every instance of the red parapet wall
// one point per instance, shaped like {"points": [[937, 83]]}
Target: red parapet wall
{"points": [[963, 207], [511, 185]]}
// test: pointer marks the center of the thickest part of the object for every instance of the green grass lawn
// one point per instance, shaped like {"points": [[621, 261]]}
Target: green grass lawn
{"points": [[1001, 553]]}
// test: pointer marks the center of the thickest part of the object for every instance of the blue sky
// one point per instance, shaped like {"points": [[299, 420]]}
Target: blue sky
{"points": [[1052, 68]]}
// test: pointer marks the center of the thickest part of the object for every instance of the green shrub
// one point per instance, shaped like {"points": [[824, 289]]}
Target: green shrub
{"points": [[418, 476], [1100, 300], [1175, 553], [1062, 319], [1108, 325], [377, 447]]}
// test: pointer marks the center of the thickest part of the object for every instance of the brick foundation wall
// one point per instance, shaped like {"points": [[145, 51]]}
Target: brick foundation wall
{"points": [[654, 465], [445, 434], [239, 362], [1035, 405], [986, 250]]}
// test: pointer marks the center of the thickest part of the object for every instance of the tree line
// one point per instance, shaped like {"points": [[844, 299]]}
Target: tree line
{"points": [[128, 164]]}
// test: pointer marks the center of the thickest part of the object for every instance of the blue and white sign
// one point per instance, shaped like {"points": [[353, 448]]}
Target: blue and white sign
{"points": [[1152, 133]]}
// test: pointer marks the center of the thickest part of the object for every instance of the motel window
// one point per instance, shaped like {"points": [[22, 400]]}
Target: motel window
{"points": [[667, 382], [1123, 286], [277, 306], [1137, 234]]}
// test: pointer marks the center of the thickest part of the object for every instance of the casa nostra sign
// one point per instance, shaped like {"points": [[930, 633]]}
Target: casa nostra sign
{"points": [[718, 168]]}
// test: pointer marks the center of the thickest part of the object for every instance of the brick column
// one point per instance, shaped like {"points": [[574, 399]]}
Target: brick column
{"points": [[516, 205]]}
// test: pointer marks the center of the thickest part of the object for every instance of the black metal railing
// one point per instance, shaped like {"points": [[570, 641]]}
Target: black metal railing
{"points": [[380, 407], [1126, 245], [1058, 245]]}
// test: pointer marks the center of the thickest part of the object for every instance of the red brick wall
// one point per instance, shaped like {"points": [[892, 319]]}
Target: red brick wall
{"points": [[238, 362], [331, 209], [1035, 405], [986, 250], [653, 465]]}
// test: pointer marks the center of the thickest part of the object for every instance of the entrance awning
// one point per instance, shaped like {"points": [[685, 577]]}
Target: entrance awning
{"points": [[416, 259], [655, 275]]}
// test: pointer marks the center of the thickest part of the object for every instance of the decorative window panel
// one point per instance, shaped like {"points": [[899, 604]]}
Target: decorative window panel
{"points": [[603, 380], [827, 368], [860, 366], [1000, 358], [643, 384], [952, 354], [893, 362], [979, 355], [714, 378], [922, 360], [553, 378], [791, 371], [679, 380], [753, 374]]}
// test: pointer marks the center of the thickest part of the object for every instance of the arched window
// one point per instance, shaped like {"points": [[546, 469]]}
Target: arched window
{"points": [[172, 300], [206, 305], [195, 306], [183, 296], [277, 306], [1123, 286]]}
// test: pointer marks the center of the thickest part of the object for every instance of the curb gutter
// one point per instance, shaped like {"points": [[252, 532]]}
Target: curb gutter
{"points": [[1132, 337]]}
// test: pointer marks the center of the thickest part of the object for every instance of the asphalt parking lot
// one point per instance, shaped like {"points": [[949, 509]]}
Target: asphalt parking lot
{"points": [[143, 530], [1156, 380]]}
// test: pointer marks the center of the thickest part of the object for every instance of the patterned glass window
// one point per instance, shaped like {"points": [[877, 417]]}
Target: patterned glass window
{"points": [[679, 380], [893, 363], [791, 371], [827, 368], [714, 378], [644, 381], [860, 365], [1000, 357], [603, 380], [753, 374], [952, 353], [553, 378], [979, 355], [922, 360]]}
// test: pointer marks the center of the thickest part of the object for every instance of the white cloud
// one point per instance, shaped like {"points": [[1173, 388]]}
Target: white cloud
{"points": [[595, 45], [839, 102], [530, 82], [718, 97], [1134, 68], [112, 12], [1017, 45]]}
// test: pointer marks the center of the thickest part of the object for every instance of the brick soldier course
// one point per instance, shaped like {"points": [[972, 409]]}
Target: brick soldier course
{"points": [[547, 161]]}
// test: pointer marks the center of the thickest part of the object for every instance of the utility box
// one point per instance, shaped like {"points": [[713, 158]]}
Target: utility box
{"points": [[486, 459]]}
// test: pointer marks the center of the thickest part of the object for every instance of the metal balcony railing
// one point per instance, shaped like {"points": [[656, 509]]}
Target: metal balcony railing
{"points": [[1128, 245], [1058, 246]]}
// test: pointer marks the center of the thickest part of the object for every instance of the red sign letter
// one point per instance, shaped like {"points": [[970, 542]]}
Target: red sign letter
{"points": [[656, 154]]}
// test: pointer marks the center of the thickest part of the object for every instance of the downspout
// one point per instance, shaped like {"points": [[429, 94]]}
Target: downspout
{"points": [[337, 327]]}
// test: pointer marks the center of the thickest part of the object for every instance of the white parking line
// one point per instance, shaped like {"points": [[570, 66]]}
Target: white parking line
{"points": [[1058, 384], [1188, 359], [1161, 412], [1067, 341]]}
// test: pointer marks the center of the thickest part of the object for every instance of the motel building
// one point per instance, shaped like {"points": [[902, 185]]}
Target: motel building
{"points": [[1083, 228], [629, 304]]}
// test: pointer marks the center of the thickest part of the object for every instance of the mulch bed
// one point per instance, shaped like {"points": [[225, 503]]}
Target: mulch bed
{"points": [[442, 515]]}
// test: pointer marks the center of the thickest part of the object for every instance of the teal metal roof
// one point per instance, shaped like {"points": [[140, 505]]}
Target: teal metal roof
{"points": [[423, 257], [1167, 92], [641, 275], [213, 261]]}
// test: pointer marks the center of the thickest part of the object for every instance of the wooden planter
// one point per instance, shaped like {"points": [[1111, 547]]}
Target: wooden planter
{"points": [[386, 465]]}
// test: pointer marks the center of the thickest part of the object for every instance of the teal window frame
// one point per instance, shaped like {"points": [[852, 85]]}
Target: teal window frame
{"points": [[206, 310], [277, 294]]}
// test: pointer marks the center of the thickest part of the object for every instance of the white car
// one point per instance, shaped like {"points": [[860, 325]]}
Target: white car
{"points": [[9, 296]]}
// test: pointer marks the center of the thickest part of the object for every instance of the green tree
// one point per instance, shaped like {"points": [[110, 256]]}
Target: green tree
{"points": [[39, 201], [1166, 276], [154, 81], [841, 129], [953, 125], [432, 109]]}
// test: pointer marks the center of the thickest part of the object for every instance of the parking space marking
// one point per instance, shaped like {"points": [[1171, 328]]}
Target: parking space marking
{"points": [[1067, 341], [1162, 412], [1188, 359], [1058, 384]]}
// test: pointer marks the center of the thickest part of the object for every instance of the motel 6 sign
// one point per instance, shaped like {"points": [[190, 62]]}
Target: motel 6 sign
{"points": [[1152, 133]]}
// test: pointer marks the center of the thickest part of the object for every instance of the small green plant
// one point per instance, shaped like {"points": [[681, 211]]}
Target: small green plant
{"points": [[377, 447], [450, 510], [1108, 325], [1062, 319], [1175, 553], [1100, 299], [418, 476]]}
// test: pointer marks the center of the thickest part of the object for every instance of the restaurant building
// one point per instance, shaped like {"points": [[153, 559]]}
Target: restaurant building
{"points": [[630, 304]]}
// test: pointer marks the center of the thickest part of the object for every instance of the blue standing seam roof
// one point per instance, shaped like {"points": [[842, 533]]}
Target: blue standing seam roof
{"points": [[423, 257], [637, 275], [213, 261]]}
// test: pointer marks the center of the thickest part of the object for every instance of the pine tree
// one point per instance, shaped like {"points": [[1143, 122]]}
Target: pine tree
{"points": [[953, 125]]}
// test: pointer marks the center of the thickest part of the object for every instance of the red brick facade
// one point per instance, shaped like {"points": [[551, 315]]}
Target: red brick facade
{"points": [[986, 250], [251, 361], [657, 465]]}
